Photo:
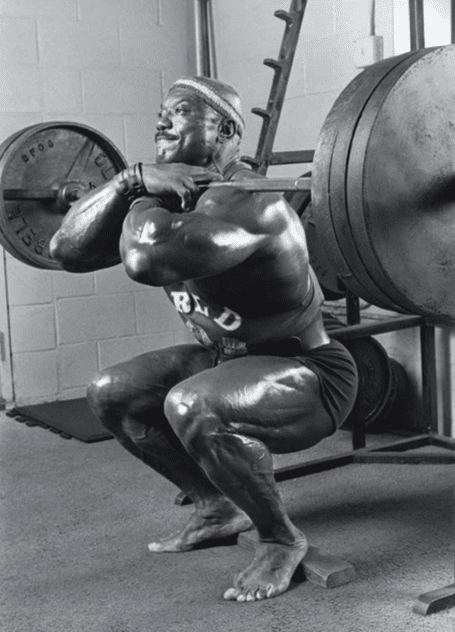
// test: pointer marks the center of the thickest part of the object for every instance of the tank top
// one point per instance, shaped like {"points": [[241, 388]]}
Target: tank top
{"points": [[216, 325]]}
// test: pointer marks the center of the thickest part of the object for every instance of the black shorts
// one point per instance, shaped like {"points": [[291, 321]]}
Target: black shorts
{"points": [[338, 378]]}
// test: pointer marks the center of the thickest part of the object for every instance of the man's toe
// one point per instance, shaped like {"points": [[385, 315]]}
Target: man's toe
{"points": [[261, 593], [230, 594]]}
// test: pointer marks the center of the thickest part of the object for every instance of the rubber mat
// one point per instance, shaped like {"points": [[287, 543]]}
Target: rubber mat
{"points": [[68, 418]]}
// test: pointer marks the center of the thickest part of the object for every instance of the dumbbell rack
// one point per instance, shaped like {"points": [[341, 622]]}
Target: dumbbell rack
{"points": [[403, 450]]}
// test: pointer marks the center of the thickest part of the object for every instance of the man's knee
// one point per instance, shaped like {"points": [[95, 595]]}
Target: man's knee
{"points": [[107, 398], [193, 416]]}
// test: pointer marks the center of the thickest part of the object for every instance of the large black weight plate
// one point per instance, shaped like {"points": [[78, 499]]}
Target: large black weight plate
{"points": [[362, 283], [326, 275], [43, 169], [411, 221], [376, 385], [330, 222], [385, 207], [378, 377], [358, 218]]}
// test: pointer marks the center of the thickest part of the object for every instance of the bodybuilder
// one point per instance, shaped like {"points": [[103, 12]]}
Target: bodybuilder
{"points": [[263, 376]]}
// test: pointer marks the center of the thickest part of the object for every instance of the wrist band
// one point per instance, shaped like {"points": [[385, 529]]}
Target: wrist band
{"points": [[130, 186]]}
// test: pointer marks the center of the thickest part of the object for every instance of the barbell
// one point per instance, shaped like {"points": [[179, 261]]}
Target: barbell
{"points": [[382, 185]]}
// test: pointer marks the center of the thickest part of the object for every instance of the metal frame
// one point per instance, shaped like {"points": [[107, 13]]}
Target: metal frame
{"points": [[391, 452], [395, 452], [205, 38], [416, 24]]}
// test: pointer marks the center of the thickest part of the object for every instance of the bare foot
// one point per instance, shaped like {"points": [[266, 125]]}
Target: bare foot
{"points": [[270, 572], [201, 529]]}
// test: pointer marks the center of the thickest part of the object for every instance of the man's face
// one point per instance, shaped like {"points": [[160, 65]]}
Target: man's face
{"points": [[186, 130]]}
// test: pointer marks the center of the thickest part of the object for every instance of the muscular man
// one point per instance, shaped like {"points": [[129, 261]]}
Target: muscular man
{"points": [[264, 376]]}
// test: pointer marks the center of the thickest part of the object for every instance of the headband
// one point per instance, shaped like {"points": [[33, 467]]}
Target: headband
{"points": [[214, 97]]}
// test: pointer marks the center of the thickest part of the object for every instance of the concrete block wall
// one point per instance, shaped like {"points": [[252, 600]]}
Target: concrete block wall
{"points": [[323, 66], [323, 63], [105, 64]]}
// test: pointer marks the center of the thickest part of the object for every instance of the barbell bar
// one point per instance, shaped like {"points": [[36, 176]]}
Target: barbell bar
{"points": [[267, 184], [382, 185], [256, 184]]}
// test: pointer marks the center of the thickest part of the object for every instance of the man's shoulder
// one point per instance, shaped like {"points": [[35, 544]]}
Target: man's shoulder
{"points": [[236, 170]]}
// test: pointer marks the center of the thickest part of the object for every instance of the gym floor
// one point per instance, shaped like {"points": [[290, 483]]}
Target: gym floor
{"points": [[76, 519]]}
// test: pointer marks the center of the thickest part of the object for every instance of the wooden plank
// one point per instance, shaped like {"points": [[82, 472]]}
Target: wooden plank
{"points": [[319, 567], [327, 570], [435, 600]]}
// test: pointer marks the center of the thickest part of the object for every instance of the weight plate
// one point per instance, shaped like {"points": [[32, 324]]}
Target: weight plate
{"points": [[326, 275], [43, 170], [358, 217], [408, 183], [376, 387], [362, 283], [344, 111]]}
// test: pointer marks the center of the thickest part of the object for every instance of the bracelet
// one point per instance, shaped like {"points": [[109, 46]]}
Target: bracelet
{"points": [[130, 186]]}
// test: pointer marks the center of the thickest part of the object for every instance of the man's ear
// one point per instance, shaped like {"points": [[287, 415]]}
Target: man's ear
{"points": [[227, 129]]}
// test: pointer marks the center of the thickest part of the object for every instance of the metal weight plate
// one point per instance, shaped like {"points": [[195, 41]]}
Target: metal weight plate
{"points": [[326, 275], [376, 385], [402, 410], [362, 283], [43, 170], [358, 217], [377, 377], [341, 118], [11, 139], [408, 178]]}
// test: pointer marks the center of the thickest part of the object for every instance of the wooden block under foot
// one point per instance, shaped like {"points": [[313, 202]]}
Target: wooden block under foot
{"points": [[436, 600], [323, 569]]}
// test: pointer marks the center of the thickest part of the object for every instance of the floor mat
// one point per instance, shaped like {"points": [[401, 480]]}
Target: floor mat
{"points": [[68, 418]]}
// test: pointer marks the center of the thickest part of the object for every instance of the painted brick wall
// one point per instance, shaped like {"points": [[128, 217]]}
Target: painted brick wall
{"points": [[323, 66], [323, 63], [105, 64]]}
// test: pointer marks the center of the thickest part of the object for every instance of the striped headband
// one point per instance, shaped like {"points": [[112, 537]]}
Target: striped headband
{"points": [[213, 96]]}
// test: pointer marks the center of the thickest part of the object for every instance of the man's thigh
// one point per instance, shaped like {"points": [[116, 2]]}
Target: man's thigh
{"points": [[274, 399], [143, 382]]}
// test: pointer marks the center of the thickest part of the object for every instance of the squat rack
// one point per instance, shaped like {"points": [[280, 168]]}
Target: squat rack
{"points": [[397, 451]]}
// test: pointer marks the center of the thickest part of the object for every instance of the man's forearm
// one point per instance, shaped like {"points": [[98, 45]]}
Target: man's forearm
{"points": [[90, 232]]}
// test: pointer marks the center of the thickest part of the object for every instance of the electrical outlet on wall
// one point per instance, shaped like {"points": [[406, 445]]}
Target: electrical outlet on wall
{"points": [[368, 50]]}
